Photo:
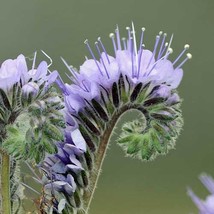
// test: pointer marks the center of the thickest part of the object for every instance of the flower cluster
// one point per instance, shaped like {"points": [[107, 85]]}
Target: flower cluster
{"points": [[30, 118], [100, 92], [206, 206], [15, 71]]}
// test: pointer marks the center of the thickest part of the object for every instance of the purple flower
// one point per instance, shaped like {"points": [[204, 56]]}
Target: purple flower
{"points": [[64, 171], [11, 72], [205, 206], [101, 91], [138, 64], [14, 71]]}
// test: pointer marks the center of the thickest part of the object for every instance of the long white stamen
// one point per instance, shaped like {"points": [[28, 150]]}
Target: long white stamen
{"points": [[188, 56], [170, 42], [51, 61], [135, 45], [186, 47], [34, 60], [103, 47], [70, 69], [92, 54]]}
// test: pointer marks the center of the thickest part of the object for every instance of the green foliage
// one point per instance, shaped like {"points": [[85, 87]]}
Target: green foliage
{"points": [[149, 137], [32, 125]]}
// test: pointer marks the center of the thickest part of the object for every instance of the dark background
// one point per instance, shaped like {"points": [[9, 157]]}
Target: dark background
{"points": [[60, 27]]}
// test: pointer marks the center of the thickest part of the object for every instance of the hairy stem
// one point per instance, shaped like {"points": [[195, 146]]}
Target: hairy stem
{"points": [[5, 183], [101, 152]]}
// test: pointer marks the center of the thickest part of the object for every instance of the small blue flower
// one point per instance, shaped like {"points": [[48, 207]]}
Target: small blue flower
{"points": [[205, 206]]}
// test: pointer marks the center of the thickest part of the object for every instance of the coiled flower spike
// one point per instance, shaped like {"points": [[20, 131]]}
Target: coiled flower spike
{"points": [[103, 89]]}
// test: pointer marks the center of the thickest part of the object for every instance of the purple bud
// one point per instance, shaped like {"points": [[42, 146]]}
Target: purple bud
{"points": [[30, 88], [164, 91], [173, 99]]}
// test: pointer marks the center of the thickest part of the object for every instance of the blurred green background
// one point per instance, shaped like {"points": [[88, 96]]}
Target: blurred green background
{"points": [[60, 27]]}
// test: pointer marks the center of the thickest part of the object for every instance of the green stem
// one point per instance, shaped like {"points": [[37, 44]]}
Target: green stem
{"points": [[101, 152], [5, 183]]}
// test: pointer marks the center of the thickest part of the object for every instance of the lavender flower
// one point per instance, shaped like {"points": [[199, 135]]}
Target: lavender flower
{"points": [[206, 206], [30, 118], [100, 92]]}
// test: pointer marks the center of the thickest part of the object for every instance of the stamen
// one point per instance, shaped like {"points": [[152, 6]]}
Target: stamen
{"points": [[161, 47], [188, 56], [129, 38], [169, 51], [92, 54], [141, 38], [34, 60], [132, 57], [124, 43], [111, 35], [170, 42], [73, 72], [139, 60], [51, 61], [135, 45], [155, 48], [61, 85], [164, 49], [98, 50], [186, 47], [103, 47], [118, 38]]}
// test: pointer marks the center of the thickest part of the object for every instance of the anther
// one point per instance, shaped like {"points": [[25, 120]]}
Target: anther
{"points": [[188, 56], [186, 47], [112, 36]]}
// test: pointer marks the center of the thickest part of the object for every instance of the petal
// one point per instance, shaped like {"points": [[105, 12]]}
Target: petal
{"points": [[78, 139], [176, 78], [41, 71]]}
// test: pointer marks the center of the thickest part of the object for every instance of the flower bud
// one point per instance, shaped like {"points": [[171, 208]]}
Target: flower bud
{"points": [[30, 88]]}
